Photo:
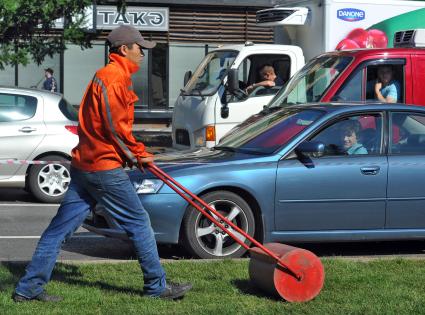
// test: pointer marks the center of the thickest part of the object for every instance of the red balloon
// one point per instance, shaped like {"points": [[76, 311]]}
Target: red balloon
{"points": [[377, 39], [347, 44], [360, 36]]}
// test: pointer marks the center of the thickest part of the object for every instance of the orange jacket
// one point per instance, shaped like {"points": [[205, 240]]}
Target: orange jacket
{"points": [[106, 119]]}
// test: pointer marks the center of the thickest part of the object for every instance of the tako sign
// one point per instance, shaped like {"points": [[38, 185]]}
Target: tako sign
{"points": [[143, 18], [107, 17]]}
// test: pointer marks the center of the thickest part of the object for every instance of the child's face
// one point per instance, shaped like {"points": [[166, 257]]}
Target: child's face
{"points": [[350, 140]]}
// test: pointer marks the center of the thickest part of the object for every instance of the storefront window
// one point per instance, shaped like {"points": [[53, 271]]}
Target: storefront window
{"points": [[182, 58], [32, 75], [159, 91], [141, 83], [79, 68], [7, 76]]}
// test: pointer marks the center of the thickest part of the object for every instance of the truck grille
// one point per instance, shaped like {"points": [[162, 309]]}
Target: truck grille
{"points": [[272, 15], [182, 137]]}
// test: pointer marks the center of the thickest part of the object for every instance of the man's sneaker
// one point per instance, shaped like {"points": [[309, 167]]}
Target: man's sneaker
{"points": [[43, 297], [175, 290]]}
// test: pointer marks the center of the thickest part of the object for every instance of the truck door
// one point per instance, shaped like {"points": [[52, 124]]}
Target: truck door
{"points": [[360, 84], [243, 106], [418, 79]]}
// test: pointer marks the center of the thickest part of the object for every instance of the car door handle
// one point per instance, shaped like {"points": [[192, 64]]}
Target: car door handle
{"points": [[27, 129], [370, 170]]}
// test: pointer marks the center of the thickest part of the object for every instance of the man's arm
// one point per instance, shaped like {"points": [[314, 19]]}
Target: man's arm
{"points": [[118, 109], [265, 83], [391, 97]]}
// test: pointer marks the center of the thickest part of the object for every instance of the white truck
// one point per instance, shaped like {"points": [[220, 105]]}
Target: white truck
{"points": [[206, 110], [319, 26]]}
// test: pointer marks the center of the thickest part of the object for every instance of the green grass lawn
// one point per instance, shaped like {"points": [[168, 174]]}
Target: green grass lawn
{"points": [[223, 287]]}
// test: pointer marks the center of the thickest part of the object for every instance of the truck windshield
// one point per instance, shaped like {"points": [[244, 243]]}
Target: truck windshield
{"points": [[210, 73], [311, 82], [271, 132]]}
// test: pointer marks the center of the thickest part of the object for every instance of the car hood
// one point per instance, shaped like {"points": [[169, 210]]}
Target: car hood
{"points": [[177, 163]]}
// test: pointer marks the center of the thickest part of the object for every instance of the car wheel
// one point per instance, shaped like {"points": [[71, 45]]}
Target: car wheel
{"points": [[49, 182], [205, 240]]}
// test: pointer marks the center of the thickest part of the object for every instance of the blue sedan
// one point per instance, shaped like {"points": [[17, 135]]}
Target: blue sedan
{"points": [[305, 173]]}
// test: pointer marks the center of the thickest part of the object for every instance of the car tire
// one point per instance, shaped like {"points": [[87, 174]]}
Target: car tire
{"points": [[204, 240], [49, 182]]}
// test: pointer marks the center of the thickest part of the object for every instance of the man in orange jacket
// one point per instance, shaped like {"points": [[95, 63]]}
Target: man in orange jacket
{"points": [[106, 145]]}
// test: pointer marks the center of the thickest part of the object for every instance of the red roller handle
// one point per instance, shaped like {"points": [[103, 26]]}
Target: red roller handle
{"points": [[168, 180]]}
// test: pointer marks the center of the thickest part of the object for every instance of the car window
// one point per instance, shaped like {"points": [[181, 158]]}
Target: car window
{"points": [[394, 88], [353, 135], [15, 107], [352, 89], [68, 110], [407, 133], [250, 72], [271, 132]]}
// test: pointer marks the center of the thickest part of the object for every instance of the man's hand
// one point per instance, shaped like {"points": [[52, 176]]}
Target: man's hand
{"points": [[146, 158]]}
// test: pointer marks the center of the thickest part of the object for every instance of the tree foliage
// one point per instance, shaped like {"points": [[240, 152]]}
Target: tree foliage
{"points": [[27, 28]]}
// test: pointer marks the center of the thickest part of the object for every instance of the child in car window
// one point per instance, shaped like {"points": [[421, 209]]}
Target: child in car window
{"points": [[386, 88], [350, 142]]}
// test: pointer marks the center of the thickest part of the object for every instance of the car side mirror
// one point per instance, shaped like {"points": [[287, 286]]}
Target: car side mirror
{"points": [[232, 81], [310, 148], [187, 77]]}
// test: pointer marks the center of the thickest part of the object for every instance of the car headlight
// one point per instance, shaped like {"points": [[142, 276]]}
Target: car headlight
{"points": [[148, 186]]}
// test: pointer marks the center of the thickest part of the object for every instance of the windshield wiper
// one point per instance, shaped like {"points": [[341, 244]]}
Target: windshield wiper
{"points": [[268, 110], [239, 150], [224, 148]]}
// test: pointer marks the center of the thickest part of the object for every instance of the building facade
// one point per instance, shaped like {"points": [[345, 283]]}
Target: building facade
{"points": [[184, 30]]}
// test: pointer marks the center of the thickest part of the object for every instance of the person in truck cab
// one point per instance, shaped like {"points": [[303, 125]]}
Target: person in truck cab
{"points": [[268, 78], [386, 88]]}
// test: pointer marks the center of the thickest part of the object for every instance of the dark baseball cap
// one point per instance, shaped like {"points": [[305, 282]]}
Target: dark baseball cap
{"points": [[125, 35]]}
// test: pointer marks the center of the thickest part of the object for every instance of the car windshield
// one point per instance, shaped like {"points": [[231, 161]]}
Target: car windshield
{"points": [[311, 82], [271, 132], [210, 73]]}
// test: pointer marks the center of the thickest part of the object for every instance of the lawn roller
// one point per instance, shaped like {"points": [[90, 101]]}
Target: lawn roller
{"points": [[295, 274]]}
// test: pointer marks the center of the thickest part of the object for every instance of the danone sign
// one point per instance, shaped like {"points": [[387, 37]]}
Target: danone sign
{"points": [[350, 14], [143, 18]]}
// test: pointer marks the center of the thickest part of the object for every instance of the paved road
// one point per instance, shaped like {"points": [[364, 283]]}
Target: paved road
{"points": [[22, 221]]}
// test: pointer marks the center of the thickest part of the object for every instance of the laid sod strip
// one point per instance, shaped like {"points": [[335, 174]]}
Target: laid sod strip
{"points": [[222, 287]]}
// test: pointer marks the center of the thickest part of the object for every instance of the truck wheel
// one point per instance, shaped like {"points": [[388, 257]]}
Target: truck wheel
{"points": [[205, 240], [49, 182]]}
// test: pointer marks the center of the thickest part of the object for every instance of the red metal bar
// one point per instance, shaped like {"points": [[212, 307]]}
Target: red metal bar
{"points": [[167, 179]]}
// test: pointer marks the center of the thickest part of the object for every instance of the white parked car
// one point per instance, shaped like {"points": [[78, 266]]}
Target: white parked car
{"points": [[36, 125]]}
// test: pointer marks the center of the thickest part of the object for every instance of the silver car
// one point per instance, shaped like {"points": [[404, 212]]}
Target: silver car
{"points": [[36, 125]]}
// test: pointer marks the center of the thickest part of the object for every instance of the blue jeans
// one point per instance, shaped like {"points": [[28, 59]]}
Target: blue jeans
{"points": [[114, 190]]}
